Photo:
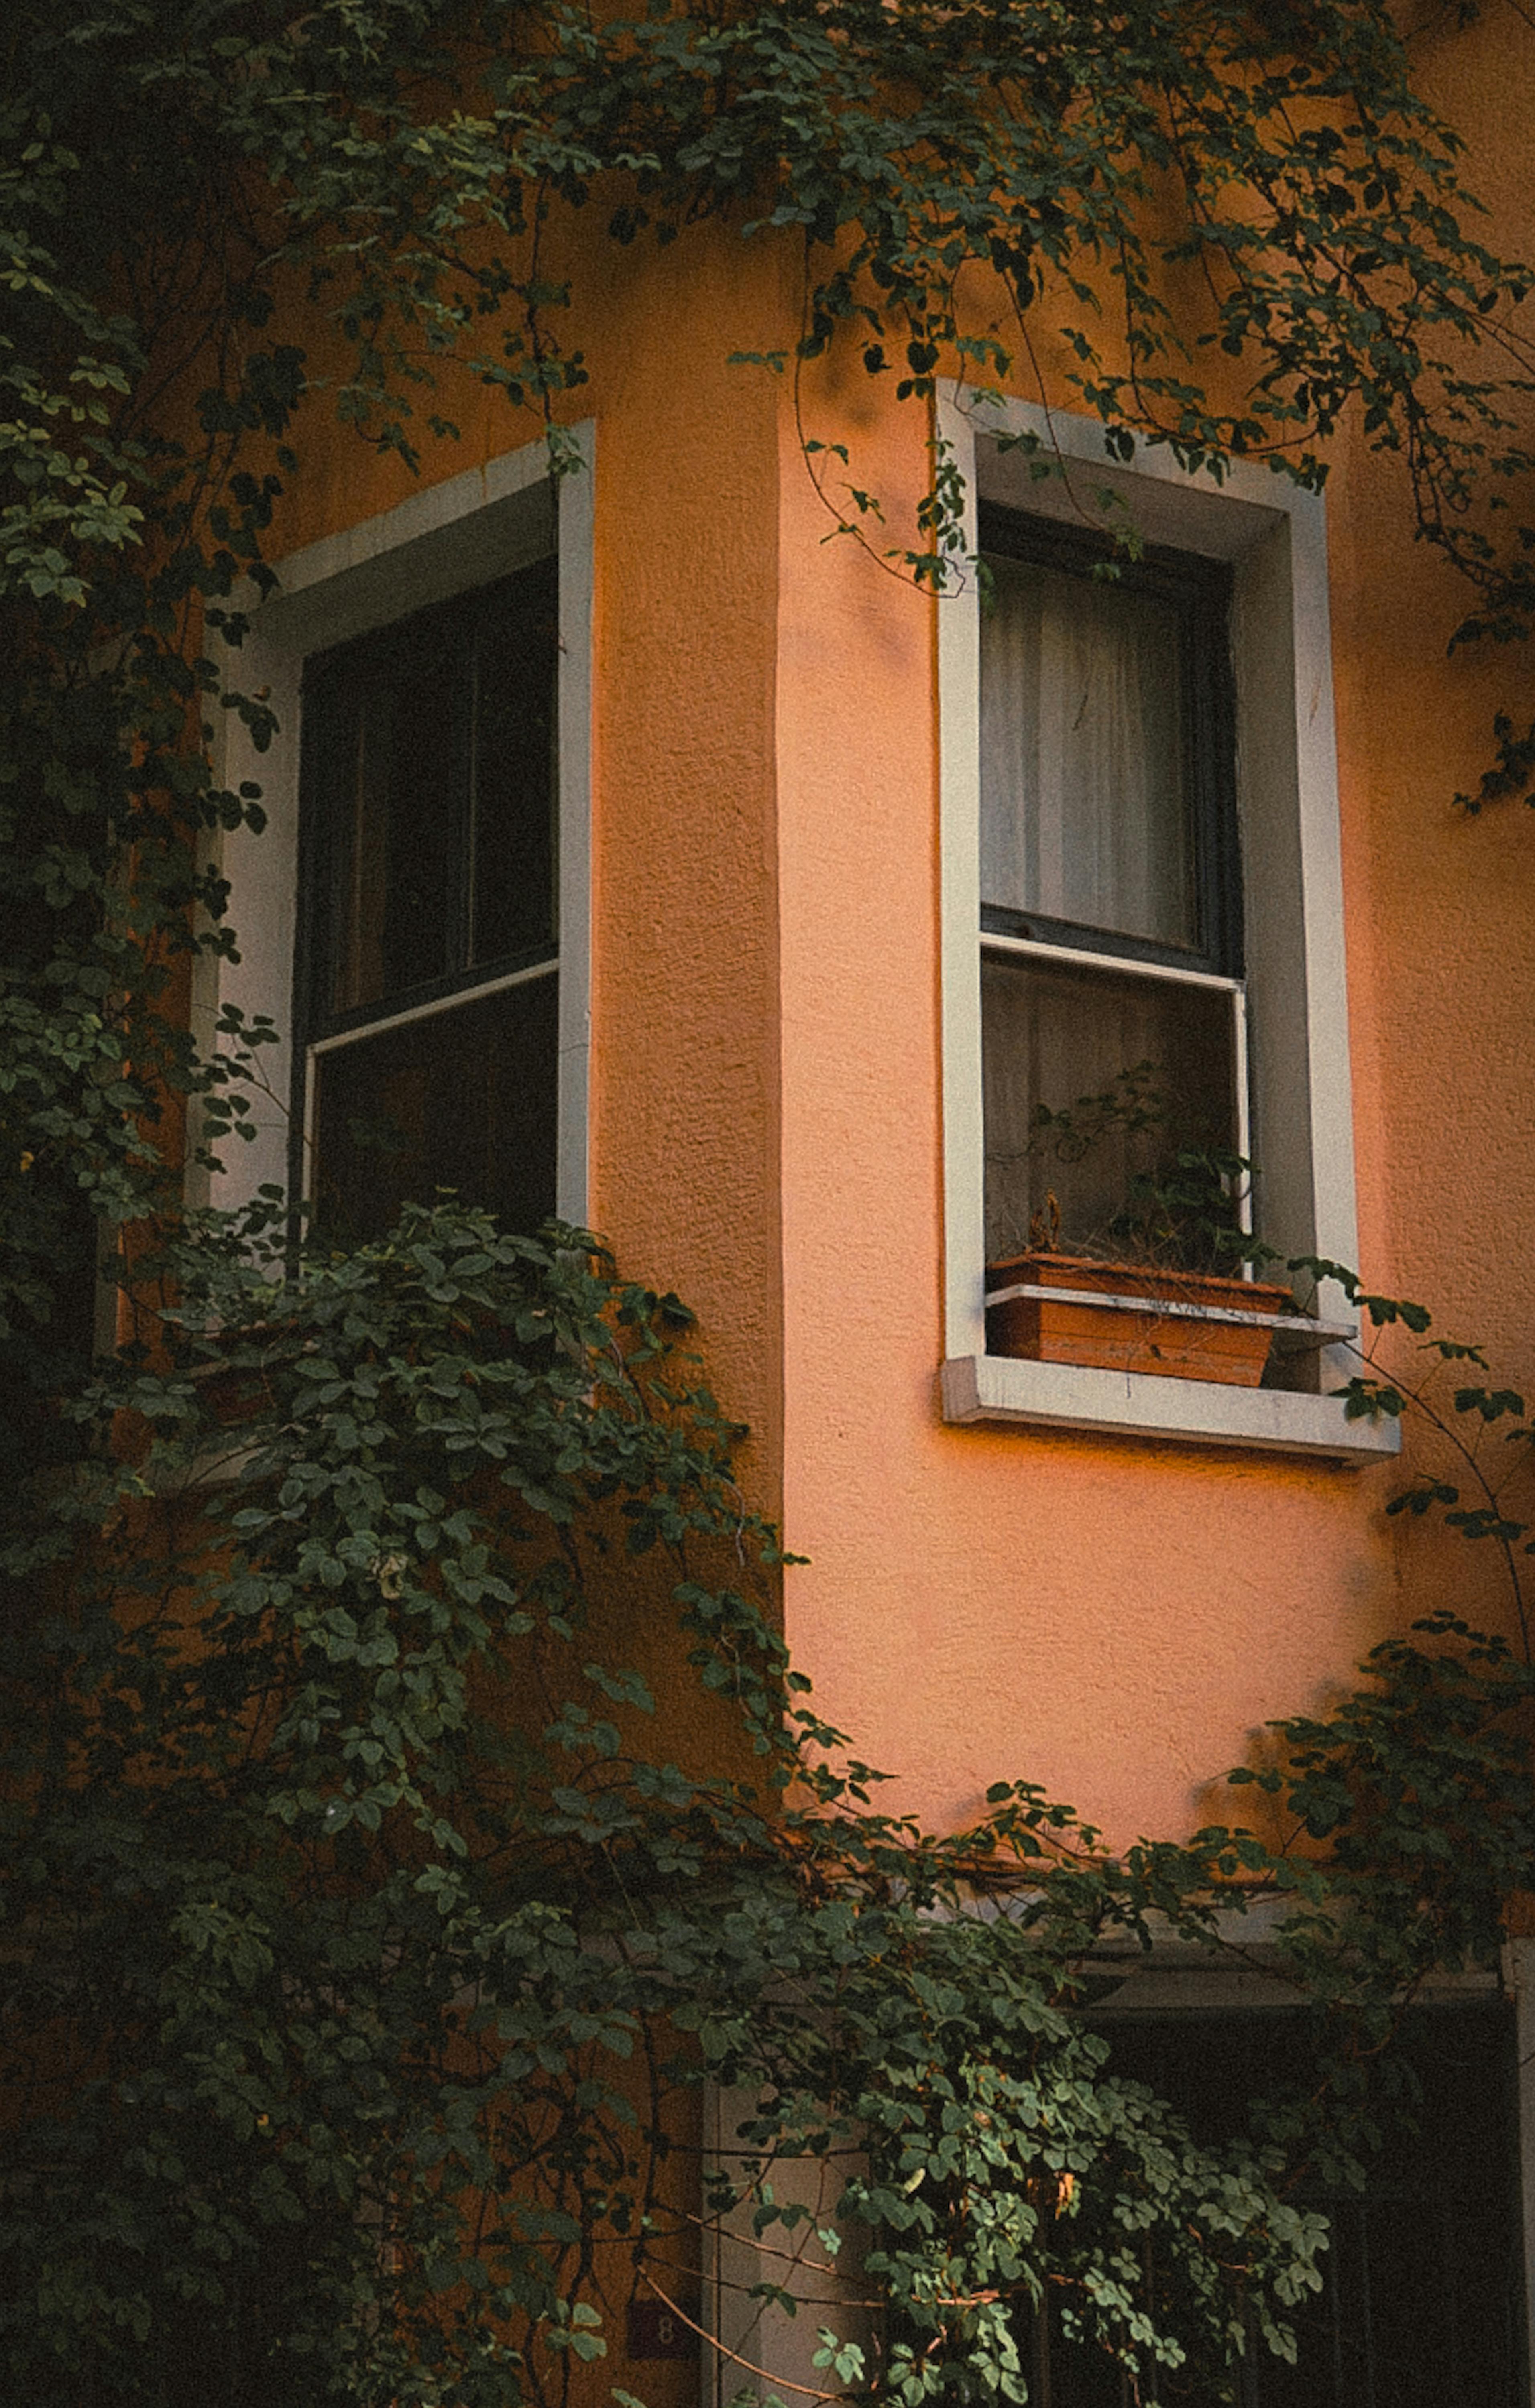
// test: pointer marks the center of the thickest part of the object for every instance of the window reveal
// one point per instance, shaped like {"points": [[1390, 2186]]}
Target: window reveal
{"points": [[428, 961], [1111, 923]]}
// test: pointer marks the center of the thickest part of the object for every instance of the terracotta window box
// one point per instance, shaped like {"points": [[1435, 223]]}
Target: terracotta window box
{"points": [[1050, 1307]]}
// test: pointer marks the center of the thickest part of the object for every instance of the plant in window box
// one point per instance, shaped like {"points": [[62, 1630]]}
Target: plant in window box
{"points": [[1169, 1289]]}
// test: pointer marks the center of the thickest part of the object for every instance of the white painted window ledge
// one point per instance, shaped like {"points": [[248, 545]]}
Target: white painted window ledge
{"points": [[1139, 1404]]}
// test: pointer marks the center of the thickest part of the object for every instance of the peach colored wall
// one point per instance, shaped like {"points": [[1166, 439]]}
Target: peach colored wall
{"points": [[1442, 908], [1116, 1618], [1109, 1618], [685, 934]]}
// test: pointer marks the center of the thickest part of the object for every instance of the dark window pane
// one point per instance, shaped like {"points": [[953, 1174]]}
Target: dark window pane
{"points": [[429, 800], [429, 794], [1051, 1035], [387, 783], [462, 1098], [422, 708], [330, 783], [513, 868]]}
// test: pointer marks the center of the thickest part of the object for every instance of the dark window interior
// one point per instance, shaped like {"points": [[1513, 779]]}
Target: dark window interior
{"points": [[463, 1098], [429, 810], [1420, 2304]]}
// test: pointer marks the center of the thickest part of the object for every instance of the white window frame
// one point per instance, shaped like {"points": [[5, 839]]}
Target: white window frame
{"points": [[1275, 535], [467, 531], [756, 2348]]}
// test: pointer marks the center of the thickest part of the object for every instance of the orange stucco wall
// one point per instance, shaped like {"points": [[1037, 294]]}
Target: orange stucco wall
{"points": [[1107, 1617], [1116, 1618], [1110, 1617]]}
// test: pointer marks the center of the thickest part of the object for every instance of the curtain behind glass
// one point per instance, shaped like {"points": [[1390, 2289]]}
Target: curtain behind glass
{"points": [[1084, 780]]}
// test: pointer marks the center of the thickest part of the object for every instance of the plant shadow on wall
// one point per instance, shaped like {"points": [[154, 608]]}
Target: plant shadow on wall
{"points": [[1146, 1264], [410, 1813]]}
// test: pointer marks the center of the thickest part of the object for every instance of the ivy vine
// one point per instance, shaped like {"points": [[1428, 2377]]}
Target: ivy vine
{"points": [[364, 1952]]}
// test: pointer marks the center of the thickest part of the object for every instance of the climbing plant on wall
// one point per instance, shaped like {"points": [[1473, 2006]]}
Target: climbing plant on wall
{"points": [[367, 1942], [408, 1811]]}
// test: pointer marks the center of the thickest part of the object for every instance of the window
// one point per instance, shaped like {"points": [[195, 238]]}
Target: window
{"points": [[1140, 862], [415, 918], [1111, 897], [428, 939], [1420, 2305]]}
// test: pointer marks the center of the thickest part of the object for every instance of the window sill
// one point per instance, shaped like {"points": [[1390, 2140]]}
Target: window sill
{"points": [[1137, 1404]]}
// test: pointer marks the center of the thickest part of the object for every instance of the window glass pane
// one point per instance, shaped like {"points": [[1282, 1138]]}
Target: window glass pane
{"points": [[429, 779], [1052, 1035], [1085, 811], [463, 1098], [420, 707], [386, 772], [515, 783]]}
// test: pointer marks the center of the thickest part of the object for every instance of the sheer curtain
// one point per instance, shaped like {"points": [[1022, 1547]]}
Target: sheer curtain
{"points": [[1084, 810]]}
